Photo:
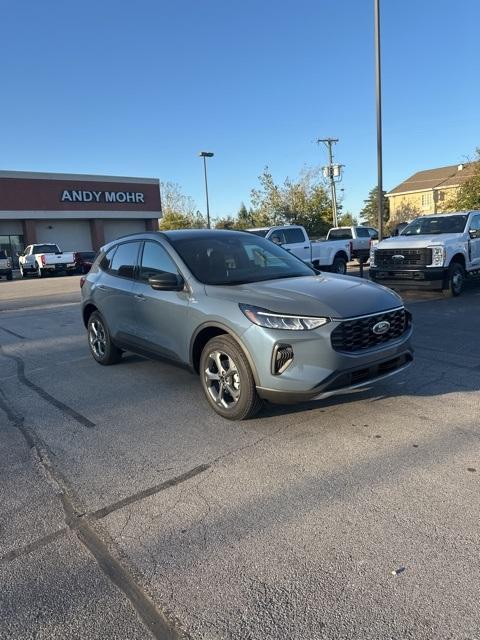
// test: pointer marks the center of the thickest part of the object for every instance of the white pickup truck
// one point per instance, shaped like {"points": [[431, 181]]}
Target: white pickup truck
{"points": [[328, 255], [360, 238], [43, 259], [5, 265], [432, 252]]}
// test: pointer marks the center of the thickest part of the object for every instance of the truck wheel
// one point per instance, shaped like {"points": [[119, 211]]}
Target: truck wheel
{"points": [[10, 276], [339, 266], [454, 282], [100, 342], [227, 379]]}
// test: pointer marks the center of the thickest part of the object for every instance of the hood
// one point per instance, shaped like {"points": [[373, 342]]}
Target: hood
{"points": [[417, 242], [327, 295]]}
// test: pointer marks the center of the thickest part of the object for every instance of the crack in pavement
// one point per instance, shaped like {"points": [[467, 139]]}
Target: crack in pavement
{"points": [[58, 404], [140, 495], [12, 333], [158, 624], [33, 546]]}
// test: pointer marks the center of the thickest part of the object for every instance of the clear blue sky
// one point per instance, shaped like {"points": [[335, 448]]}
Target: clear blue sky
{"points": [[139, 87]]}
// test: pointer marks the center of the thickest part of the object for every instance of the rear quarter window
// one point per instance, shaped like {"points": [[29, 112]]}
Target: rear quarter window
{"points": [[340, 234]]}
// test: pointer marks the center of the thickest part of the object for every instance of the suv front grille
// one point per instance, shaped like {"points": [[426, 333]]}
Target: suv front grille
{"points": [[358, 334], [388, 258]]}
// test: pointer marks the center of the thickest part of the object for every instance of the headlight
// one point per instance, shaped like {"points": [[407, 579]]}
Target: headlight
{"points": [[372, 256], [438, 256], [271, 320]]}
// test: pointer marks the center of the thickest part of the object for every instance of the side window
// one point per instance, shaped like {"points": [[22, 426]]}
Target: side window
{"points": [[124, 260], [475, 224], [278, 237], [362, 232], [294, 235], [155, 260], [373, 233], [106, 259]]}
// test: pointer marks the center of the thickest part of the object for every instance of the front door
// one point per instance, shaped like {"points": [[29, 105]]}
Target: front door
{"points": [[296, 243], [160, 316], [474, 242]]}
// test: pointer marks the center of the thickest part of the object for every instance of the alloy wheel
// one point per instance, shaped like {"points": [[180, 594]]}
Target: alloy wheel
{"points": [[222, 379], [97, 338]]}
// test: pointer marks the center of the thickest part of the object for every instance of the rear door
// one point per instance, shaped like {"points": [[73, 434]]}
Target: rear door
{"points": [[160, 316], [297, 243], [112, 290]]}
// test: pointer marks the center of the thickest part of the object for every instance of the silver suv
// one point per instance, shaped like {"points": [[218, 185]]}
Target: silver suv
{"points": [[253, 320]]}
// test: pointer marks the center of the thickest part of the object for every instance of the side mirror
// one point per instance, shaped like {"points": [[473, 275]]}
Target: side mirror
{"points": [[167, 282], [474, 234]]}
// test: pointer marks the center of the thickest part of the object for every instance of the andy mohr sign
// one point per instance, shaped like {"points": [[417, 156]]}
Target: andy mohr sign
{"points": [[121, 197]]}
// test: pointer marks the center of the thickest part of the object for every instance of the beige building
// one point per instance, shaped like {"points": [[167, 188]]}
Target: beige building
{"points": [[427, 191]]}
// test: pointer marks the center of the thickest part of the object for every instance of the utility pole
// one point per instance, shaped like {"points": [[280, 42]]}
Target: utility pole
{"points": [[332, 171], [378, 87]]}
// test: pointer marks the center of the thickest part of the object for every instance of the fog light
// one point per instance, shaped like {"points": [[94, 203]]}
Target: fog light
{"points": [[282, 357]]}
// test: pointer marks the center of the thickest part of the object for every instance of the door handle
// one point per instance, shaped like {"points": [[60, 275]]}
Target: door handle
{"points": [[140, 297], [306, 247], [102, 287]]}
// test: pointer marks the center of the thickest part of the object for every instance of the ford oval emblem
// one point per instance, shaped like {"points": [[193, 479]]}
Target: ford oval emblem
{"points": [[381, 328], [398, 257]]}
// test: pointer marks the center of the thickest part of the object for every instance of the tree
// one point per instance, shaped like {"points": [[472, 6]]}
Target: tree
{"points": [[179, 211], [302, 201], [369, 213], [173, 220], [468, 195], [227, 222], [347, 220]]}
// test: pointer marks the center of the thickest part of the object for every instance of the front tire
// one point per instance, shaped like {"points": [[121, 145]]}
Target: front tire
{"points": [[227, 379], [100, 342], [455, 280]]}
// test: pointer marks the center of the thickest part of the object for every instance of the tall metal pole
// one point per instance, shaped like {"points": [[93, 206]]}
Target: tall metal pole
{"points": [[378, 86], [206, 190]]}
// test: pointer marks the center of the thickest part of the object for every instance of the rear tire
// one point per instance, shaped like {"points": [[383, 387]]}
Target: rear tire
{"points": [[339, 266], [100, 342], [227, 379], [10, 276], [453, 285]]}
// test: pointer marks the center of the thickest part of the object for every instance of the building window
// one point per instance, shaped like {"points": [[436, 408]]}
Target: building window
{"points": [[427, 200], [441, 196]]}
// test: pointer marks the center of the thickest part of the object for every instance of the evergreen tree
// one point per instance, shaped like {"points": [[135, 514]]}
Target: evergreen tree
{"points": [[369, 213]]}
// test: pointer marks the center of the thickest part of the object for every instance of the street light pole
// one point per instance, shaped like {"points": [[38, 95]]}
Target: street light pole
{"points": [[205, 155], [378, 87]]}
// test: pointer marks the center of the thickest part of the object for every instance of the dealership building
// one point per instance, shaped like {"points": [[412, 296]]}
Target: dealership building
{"points": [[77, 212]]}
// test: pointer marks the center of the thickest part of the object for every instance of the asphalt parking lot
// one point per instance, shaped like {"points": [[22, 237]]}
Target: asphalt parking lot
{"points": [[130, 510]]}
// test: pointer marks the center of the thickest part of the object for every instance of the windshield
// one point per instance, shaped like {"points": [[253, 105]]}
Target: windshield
{"points": [[237, 259], [436, 224], [45, 248]]}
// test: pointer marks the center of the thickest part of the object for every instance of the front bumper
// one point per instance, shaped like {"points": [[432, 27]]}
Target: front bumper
{"points": [[317, 369], [422, 278]]}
